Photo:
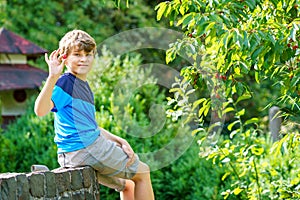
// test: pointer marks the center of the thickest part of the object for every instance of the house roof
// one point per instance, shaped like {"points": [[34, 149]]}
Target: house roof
{"points": [[20, 76], [15, 44]]}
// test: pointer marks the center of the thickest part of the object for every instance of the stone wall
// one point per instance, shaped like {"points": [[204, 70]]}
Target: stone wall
{"points": [[78, 183]]}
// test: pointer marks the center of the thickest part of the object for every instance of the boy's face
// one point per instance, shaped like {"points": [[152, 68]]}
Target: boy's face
{"points": [[79, 62]]}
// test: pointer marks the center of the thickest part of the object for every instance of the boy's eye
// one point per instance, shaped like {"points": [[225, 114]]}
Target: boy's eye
{"points": [[82, 54]]}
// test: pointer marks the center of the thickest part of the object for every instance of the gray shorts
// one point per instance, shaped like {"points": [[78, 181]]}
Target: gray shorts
{"points": [[108, 159]]}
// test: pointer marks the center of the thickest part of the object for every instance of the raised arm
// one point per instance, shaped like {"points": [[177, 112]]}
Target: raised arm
{"points": [[43, 103]]}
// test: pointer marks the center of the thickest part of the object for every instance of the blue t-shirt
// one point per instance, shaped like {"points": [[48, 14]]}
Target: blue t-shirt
{"points": [[74, 114]]}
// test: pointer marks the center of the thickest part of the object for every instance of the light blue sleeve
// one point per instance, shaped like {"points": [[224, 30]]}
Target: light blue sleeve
{"points": [[60, 98]]}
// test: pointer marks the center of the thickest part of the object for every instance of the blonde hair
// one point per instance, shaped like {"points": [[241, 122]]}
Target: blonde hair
{"points": [[77, 38]]}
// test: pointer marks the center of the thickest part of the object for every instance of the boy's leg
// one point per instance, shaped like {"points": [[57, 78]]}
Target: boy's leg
{"points": [[125, 187], [143, 188], [110, 160], [128, 192]]}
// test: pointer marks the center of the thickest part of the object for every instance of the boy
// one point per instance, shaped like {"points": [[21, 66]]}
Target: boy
{"points": [[79, 140]]}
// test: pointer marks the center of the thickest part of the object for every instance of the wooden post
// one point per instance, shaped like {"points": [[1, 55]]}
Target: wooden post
{"points": [[274, 122]]}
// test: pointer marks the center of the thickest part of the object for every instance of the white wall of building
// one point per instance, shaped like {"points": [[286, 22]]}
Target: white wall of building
{"points": [[13, 59]]}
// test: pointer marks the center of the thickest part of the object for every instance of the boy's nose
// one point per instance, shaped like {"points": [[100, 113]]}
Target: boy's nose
{"points": [[83, 57]]}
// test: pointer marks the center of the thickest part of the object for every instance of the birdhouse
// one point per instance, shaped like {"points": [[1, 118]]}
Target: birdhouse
{"points": [[18, 79]]}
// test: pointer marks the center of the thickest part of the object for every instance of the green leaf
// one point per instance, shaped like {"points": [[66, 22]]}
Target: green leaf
{"points": [[230, 126], [252, 120], [256, 77], [233, 133], [237, 71], [170, 55], [250, 4], [194, 132], [210, 26], [256, 52], [246, 43], [204, 109], [160, 10], [226, 39], [276, 147], [237, 191], [257, 150], [225, 176], [244, 67], [240, 88], [243, 97], [216, 18], [185, 20], [182, 10], [241, 112], [198, 102], [207, 109], [295, 81], [227, 110], [226, 194]]}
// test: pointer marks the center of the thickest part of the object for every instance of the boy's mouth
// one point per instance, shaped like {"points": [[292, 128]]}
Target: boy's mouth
{"points": [[82, 65]]}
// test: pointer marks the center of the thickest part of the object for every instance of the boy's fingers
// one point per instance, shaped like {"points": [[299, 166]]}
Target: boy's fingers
{"points": [[46, 57], [130, 161], [128, 151], [125, 149], [52, 54], [130, 155]]}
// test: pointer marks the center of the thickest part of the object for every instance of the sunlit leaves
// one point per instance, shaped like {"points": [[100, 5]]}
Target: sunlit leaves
{"points": [[241, 43]]}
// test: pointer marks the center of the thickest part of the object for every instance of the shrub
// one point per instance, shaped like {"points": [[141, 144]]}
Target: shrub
{"points": [[28, 141]]}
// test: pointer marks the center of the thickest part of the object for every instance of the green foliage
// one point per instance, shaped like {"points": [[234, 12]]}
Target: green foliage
{"points": [[236, 44], [247, 55], [256, 168], [189, 177], [45, 22], [28, 141], [0, 114]]}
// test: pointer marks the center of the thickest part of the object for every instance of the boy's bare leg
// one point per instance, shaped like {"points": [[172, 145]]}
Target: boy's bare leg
{"points": [[143, 187], [128, 192]]}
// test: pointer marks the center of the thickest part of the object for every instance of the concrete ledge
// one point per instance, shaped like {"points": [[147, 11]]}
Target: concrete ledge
{"points": [[72, 183]]}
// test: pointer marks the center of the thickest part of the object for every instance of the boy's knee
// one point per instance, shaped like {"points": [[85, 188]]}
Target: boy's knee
{"points": [[143, 172], [143, 168]]}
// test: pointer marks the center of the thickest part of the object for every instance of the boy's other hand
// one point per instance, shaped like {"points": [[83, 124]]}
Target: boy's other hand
{"points": [[129, 151], [55, 63]]}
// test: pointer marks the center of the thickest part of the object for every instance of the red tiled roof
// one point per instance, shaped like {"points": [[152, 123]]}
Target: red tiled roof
{"points": [[15, 44], [20, 76]]}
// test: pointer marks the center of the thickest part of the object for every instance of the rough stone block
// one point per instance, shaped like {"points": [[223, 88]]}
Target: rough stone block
{"points": [[62, 180], [75, 183], [88, 174], [76, 180], [36, 185], [8, 186], [50, 184], [22, 187]]}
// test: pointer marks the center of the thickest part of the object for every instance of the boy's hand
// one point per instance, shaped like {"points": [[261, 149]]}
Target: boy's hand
{"points": [[121, 143], [129, 151], [55, 63]]}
